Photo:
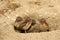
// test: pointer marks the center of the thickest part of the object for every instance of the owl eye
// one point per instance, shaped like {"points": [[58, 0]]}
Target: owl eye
{"points": [[18, 19]]}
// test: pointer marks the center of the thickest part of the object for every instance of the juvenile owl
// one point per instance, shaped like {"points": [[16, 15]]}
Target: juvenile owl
{"points": [[29, 25]]}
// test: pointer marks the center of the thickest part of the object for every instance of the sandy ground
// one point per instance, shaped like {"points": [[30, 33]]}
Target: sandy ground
{"points": [[48, 9]]}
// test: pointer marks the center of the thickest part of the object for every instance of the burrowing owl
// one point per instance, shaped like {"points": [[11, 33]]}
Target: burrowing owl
{"points": [[28, 25]]}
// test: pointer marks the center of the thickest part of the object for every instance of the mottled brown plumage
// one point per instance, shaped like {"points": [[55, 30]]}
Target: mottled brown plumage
{"points": [[27, 25]]}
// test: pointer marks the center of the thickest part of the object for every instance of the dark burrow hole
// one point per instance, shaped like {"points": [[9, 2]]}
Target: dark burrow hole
{"points": [[23, 31]]}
